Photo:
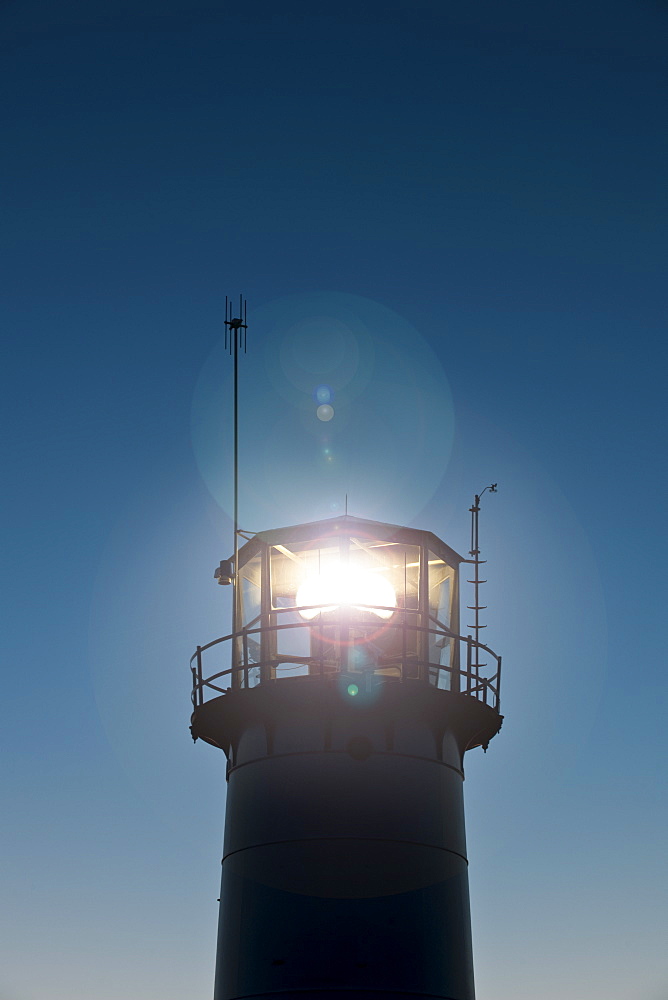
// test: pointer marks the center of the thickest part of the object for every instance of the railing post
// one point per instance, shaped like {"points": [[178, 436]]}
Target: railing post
{"points": [[454, 661], [244, 648], [315, 628], [404, 647], [468, 663], [199, 698]]}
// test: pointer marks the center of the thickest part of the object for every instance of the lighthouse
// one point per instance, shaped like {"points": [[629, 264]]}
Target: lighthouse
{"points": [[344, 701]]}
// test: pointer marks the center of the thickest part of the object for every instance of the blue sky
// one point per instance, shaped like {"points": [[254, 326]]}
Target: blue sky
{"points": [[479, 190]]}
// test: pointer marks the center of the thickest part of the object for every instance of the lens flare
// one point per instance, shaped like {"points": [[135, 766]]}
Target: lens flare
{"points": [[325, 412], [337, 589], [323, 394]]}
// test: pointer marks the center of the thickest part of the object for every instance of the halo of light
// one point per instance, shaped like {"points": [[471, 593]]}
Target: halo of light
{"points": [[394, 415], [325, 412]]}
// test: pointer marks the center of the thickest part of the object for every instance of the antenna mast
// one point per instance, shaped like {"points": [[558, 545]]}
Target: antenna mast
{"points": [[236, 327], [477, 607]]}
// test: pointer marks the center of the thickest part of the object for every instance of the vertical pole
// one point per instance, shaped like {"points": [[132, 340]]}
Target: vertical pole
{"points": [[236, 333], [237, 328], [455, 644], [475, 552]]}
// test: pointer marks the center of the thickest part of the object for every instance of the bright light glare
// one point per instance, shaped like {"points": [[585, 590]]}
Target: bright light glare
{"points": [[350, 590]]}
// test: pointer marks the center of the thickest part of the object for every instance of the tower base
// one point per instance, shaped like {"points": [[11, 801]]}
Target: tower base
{"points": [[344, 869]]}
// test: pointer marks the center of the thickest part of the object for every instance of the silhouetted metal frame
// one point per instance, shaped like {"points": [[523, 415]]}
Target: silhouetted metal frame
{"points": [[412, 666]]}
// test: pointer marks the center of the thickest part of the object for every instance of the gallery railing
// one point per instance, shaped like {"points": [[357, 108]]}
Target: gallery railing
{"points": [[395, 650]]}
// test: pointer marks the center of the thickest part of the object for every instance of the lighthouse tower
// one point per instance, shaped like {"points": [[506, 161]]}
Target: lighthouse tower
{"points": [[345, 701]]}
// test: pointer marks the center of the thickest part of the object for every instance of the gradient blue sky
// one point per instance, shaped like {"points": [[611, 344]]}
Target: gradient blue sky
{"points": [[482, 186]]}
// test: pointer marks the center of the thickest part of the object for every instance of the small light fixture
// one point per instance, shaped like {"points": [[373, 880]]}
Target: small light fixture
{"points": [[224, 573]]}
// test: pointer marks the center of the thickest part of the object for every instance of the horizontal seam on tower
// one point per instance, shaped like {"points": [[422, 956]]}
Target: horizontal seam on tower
{"points": [[314, 753], [366, 840], [396, 993]]}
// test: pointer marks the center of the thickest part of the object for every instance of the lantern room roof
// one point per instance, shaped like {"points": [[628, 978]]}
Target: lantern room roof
{"points": [[346, 524]]}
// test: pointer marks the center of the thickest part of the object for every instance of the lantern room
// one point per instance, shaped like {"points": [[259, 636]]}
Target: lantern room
{"points": [[374, 602]]}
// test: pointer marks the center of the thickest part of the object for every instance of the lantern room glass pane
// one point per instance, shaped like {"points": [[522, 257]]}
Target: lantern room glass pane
{"points": [[389, 646], [394, 562], [249, 652], [348, 602], [441, 594], [291, 568], [251, 590]]}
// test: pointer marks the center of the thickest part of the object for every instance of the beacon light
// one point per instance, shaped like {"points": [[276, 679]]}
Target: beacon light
{"points": [[353, 589]]}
